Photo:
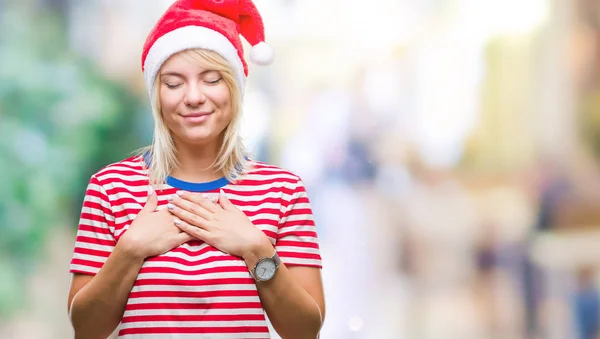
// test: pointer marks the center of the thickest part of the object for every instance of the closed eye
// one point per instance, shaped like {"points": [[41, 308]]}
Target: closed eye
{"points": [[214, 82], [172, 86]]}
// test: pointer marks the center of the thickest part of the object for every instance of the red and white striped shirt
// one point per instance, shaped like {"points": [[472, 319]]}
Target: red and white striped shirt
{"points": [[195, 290]]}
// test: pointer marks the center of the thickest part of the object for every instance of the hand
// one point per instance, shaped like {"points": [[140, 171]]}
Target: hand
{"points": [[153, 232], [221, 225]]}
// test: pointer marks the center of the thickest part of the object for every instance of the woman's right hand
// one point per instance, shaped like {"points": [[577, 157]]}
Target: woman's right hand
{"points": [[152, 232]]}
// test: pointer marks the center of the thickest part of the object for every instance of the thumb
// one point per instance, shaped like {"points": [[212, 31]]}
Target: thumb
{"points": [[224, 201], [152, 201]]}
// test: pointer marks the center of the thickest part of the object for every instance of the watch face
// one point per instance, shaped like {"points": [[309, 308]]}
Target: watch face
{"points": [[265, 269]]}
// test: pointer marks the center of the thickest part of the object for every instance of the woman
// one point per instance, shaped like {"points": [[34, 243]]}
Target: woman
{"points": [[191, 238]]}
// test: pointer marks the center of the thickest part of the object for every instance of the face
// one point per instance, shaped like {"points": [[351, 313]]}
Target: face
{"points": [[195, 101]]}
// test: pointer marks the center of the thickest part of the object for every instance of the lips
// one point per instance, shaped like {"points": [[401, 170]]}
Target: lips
{"points": [[196, 118], [196, 115]]}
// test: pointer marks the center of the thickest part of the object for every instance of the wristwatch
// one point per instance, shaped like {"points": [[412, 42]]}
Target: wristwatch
{"points": [[265, 268]]}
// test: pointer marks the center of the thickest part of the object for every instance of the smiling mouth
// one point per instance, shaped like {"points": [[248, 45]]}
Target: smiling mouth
{"points": [[196, 118], [196, 115]]}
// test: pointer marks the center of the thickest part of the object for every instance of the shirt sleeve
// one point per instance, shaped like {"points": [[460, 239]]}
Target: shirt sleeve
{"points": [[95, 234], [297, 242]]}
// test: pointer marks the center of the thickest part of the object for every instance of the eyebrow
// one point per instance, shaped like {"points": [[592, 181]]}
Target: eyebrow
{"points": [[175, 74]]}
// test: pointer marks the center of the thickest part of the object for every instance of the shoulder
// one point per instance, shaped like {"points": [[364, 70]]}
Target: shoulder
{"points": [[266, 172], [127, 170], [263, 177]]}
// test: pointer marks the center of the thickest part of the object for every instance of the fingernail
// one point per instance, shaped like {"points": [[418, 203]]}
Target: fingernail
{"points": [[170, 198], [180, 193], [170, 207], [177, 222]]}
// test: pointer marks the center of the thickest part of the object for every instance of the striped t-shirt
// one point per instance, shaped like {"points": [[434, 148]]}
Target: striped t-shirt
{"points": [[195, 290]]}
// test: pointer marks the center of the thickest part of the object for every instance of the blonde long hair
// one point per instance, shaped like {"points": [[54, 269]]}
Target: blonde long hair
{"points": [[231, 159]]}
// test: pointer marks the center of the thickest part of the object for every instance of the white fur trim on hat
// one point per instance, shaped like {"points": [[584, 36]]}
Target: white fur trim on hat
{"points": [[186, 38], [262, 54]]}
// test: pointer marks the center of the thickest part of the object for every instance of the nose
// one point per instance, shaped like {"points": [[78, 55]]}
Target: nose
{"points": [[194, 96]]}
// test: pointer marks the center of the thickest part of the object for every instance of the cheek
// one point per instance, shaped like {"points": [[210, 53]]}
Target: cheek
{"points": [[169, 100], [221, 97]]}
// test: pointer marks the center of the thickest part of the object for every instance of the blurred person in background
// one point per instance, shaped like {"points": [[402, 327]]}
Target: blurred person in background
{"points": [[586, 304], [191, 236], [552, 189]]}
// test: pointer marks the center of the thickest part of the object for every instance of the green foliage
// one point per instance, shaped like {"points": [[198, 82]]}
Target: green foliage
{"points": [[60, 121]]}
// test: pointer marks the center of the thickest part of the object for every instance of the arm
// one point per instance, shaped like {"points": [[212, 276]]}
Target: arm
{"points": [[97, 303], [293, 299], [97, 299]]}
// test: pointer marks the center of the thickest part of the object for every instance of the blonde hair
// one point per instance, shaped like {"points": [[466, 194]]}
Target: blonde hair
{"points": [[231, 159]]}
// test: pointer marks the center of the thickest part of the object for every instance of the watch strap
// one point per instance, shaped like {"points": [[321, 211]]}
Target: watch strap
{"points": [[276, 259]]}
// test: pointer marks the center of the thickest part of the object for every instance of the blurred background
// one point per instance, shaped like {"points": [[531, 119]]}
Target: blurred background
{"points": [[451, 150]]}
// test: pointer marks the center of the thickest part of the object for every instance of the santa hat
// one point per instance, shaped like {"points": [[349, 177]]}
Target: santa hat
{"points": [[208, 24]]}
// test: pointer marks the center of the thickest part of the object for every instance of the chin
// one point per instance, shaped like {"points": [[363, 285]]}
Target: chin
{"points": [[198, 135], [197, 138]]}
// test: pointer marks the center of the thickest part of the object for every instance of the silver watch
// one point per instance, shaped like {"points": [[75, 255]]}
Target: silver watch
{"points": [[265, 268]]}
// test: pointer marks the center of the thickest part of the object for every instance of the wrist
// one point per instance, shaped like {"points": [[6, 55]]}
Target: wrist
{"points": [[258, 251], [129, 249]]}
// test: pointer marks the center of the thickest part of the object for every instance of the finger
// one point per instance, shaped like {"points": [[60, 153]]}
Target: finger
{"points": [[209, 203], [194, 232], [189, 206], [191, 218], [183, 237], [151, 202], [224, 201], [198, 199]]}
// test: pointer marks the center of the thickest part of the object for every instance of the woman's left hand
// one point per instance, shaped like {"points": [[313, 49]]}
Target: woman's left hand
{"points": [[221, 225]]}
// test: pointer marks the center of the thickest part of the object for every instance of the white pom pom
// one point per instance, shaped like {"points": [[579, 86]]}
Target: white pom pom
{"points": [[262, 54]]}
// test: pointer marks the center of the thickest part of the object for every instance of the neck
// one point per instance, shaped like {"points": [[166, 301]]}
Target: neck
{"points": [[195, 163]]}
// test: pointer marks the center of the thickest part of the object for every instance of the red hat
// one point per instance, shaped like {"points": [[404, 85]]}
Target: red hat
{"points": [[208, 24]]}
